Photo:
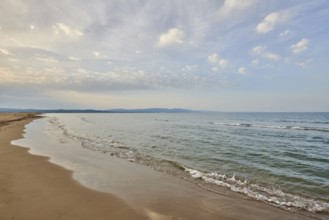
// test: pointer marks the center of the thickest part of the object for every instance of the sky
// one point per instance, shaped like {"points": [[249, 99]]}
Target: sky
{"points": [[225, 55]]}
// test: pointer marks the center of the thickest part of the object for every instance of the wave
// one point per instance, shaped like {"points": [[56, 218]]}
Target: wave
{"points": [[289, 127], [272, 196], [84, 120], [301, 121], [112, 147]]}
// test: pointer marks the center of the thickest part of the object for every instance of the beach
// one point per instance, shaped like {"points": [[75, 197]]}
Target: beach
{"points": [[33, 188]]}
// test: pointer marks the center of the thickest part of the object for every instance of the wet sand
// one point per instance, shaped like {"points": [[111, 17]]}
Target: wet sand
{"points": [[33, 188]]}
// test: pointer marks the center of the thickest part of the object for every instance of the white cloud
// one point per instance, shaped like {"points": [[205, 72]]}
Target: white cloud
{"points": [[213, 58], [82, 71], [12, 59], [304, 63], [4, 51], [263, 52], [63, 29], [254, 63], [270, 21], [242, 70], [96, 54], [223, 63], [284, 33], [272, 56], [74, 58], [190, 68], [230, 6], [258, 50], [172, 36], [217, 62], [47, 59], [300, 46], [99, 55]]}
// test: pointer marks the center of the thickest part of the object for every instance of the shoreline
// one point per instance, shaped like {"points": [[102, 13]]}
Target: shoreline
{"points": [[33, 188], [145, 190]]}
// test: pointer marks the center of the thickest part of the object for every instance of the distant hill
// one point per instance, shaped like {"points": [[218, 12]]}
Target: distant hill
{"points": [[150, 110], [145, 110]]}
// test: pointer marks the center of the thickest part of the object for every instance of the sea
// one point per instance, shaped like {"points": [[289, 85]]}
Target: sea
{"points": [[278, 158]]}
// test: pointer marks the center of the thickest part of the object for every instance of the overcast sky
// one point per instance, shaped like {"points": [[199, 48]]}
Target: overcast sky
{"points": [[228, 55]]}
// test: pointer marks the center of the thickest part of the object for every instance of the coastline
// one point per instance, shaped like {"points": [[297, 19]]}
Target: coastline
{"points": [[33, 188]]}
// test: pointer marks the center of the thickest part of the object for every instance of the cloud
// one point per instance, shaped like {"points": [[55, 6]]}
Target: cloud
{"points": [[99, 55], [304, 63], [63, 29], [172, 36], [47, 59], [190, 68], [55, 77], [254, 63], [217, 62], [223, 63], [233, 6], [213, 58], [300, 46], [284, 33], [263, 52], [4, 51], [271, 20], [96, 54], [73, 58], [242, 70], [272, 56]]}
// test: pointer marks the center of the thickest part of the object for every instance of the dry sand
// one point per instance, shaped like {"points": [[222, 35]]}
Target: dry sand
{"points": [[33, 188]]}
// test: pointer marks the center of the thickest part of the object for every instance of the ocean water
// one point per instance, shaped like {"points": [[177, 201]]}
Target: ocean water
{"points": [[278, 158]]}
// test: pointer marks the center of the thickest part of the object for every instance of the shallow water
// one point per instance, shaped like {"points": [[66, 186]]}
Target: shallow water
{"points": [[278, 158]]}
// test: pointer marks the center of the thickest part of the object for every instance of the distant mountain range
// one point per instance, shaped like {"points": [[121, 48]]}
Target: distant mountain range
{"points": [[120, 110]]}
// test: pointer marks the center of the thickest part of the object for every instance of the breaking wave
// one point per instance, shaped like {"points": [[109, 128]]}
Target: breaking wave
{"points": [[272, 196]]}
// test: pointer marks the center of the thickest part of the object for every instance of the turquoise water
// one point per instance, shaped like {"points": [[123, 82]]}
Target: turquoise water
{"points": [[278, 158]]}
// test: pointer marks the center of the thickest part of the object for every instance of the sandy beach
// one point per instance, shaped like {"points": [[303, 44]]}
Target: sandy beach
{"points": [[33, 188]]}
